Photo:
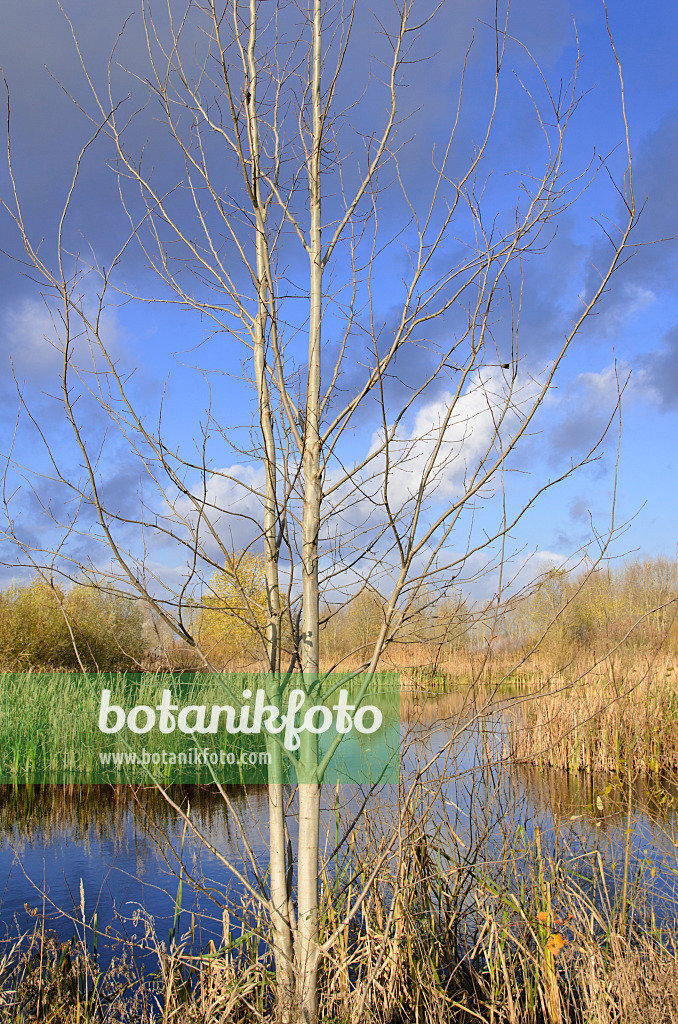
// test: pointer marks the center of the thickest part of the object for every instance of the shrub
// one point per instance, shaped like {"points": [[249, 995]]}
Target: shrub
{"points": [[41, 626]]}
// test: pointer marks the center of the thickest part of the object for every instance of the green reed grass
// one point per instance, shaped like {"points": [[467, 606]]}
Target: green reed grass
{"points": [[49, 723], [49, 726]]}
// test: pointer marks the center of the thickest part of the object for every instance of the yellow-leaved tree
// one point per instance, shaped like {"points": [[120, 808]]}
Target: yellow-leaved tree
{"points": [[235, 613]]}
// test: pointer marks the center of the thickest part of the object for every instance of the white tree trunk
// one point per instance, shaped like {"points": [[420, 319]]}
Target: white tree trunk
{"points": [[279, 898], [309, 791]]}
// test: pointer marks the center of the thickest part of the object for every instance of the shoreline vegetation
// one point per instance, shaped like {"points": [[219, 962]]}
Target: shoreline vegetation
{"points": [[497, 919], [616, 718], [527, 930], [227, 728]]}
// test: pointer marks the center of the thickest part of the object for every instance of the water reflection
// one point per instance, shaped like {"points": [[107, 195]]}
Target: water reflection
{"points": [[123, 844], [601, 799]]}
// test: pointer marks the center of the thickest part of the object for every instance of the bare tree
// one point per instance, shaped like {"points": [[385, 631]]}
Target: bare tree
{"points": [[273, 228]]}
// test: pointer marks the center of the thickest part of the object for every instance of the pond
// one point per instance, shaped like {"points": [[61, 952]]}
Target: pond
{"points": [[116, 851]]}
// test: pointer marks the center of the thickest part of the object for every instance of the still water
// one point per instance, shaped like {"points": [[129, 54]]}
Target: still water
{"points": [[66, 852]]}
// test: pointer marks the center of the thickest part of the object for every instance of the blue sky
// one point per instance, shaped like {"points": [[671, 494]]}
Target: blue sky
{"points": [[635, 330]]}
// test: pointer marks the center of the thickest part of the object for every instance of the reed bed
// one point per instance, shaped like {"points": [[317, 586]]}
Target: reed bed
{"points": [[49, 724], [611, 723], [49, 727], [491, 919], [524, 932]]}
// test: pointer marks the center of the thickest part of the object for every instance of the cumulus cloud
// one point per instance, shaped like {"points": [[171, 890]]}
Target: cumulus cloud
{"points": [[483, 418], [32, 342], [27, 339], [651, 268], [589, 401], [232, 502]]}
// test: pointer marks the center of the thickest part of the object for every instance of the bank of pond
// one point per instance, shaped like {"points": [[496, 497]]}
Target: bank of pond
{"points": [[520, 890]]}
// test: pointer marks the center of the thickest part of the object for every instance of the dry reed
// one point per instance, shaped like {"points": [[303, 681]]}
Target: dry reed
{"points": [[610, 723], [444, 936]]}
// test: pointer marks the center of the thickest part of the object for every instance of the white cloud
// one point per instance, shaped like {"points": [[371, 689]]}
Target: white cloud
{"points": [[32, 340], [603, 388], [450, 438], [589, 401], [28, 340], [233, 506], [619, 306]]}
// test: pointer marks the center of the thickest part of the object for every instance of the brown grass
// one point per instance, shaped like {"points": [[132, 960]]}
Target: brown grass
{"points": [[446, 934], [609, 722], [515, 958]]}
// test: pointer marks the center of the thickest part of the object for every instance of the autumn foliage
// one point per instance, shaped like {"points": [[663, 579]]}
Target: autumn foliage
{"points": [[234, 613], [43, 627]]}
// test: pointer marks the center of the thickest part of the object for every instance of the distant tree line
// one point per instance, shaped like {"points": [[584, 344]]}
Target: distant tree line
{"points": [[566, 614], [44, 627]]}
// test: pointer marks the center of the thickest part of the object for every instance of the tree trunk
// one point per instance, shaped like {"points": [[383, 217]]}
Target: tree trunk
{"points": [[309, 789], [279, 897]]}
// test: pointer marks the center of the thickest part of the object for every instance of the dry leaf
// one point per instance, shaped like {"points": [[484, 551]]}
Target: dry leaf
{"points": [[555, 943]]}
